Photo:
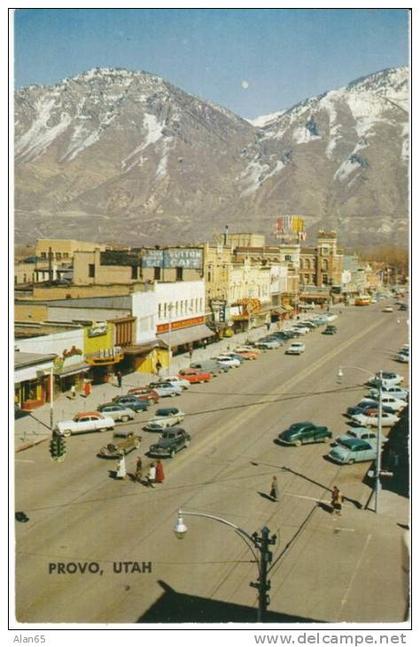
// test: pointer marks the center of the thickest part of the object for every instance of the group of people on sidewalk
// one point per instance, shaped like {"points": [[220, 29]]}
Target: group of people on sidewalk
{"points": [[155, 472]]}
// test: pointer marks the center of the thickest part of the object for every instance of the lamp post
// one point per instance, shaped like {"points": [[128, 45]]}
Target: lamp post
{"points": [[259, 542], [51, 378], [379, 384], [170, 306]]}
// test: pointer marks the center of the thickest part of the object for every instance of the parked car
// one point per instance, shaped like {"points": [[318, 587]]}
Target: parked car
{"points": [[268, 344], [120, 448], [132, 402], [388, 401], [353, 450], [295, 348], [388, 309], [166, 390], [299, 331], [403, 358], [84, 422], [209, 366], [361, 433], [396, 391], [170, 442], [144, 393], [245, 348], [388, 379], [194, 375], [304, 432], [175, 380], [117, 412], [234, 355], [403, 306], [330, 330], [247, 354], [303, 326], [371, 417], [163, 418], [227, 360]]}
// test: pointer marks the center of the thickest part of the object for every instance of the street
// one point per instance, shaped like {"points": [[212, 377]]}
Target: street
{"points": [[323, 569]]}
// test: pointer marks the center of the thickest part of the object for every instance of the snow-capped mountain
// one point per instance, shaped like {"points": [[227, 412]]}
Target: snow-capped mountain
{"points": [[125, 156]]}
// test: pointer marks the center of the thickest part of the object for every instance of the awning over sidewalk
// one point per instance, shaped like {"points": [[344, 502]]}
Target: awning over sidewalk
{"points": [[187, 335], [73, 369], [143, 349]]}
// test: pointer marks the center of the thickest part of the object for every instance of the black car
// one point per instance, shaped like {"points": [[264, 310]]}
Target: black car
{"points": [[132, 402], [170, 442], [304, 432], [330, 330]]}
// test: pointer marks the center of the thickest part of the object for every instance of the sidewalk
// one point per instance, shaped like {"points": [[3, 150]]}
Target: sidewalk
{"points": [[34, 428]]}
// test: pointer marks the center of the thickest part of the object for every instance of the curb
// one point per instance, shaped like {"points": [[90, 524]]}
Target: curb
{"points": [[30, 444]]}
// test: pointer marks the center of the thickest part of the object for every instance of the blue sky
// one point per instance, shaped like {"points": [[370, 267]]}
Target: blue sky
{"points": [[253, 61]]}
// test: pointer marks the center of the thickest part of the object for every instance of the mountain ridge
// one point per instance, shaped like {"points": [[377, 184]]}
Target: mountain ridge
{"points": [[114, 154]]}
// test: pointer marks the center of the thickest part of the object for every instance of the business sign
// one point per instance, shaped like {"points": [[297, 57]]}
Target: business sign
{"points": [[177, 325], [190, 258]]}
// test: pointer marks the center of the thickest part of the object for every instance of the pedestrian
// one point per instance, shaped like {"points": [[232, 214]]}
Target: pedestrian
{"points": [[160, 476], [87, 388], [267, 325], [73, 391], [336, 501], [151, 475], [204, 344], [119, 378], [139, 469], [274, 492], [158, 367], [121, 471]]}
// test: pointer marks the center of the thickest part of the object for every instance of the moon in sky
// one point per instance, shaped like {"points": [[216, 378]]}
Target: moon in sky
{"points": [[245, 84]]}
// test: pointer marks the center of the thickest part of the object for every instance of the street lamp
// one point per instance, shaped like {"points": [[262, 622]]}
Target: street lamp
{"points": [[260, 543], [170, 306], [379, 384]]}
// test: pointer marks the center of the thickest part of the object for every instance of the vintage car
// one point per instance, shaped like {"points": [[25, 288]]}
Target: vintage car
{"points": [[194, 375], [120, 448], [170, 442], [83, 423], [144, 393]]}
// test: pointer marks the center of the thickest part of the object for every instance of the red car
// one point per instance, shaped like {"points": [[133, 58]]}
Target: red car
{"points": [[194, 375], [247, 354], [144, 393]]}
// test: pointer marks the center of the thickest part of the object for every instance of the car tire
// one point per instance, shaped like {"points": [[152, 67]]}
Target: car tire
{"points": [[298, 443], [67, 433], [173, 395], [172, 453], [325, 439], [351, 461], [187, 442], [125, 419]]}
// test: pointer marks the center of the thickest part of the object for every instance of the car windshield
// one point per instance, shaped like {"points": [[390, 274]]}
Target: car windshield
{"points": [[165, 412]]}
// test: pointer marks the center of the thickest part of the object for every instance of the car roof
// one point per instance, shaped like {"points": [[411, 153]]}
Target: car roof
{"points": [[354, 443], [166, 410]]}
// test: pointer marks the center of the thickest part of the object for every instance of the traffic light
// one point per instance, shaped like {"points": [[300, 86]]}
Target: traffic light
{"points": [[222, 313], [58, 448]]}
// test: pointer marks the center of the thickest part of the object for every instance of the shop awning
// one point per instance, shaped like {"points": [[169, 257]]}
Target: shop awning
{"points": [[186, 335], [73, 369], [143, 349]]}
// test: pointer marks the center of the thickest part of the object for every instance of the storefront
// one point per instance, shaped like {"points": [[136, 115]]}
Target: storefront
{"points": [[145, 358], [32, 378]]}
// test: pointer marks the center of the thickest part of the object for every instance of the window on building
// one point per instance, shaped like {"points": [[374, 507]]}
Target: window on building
{"points": [[44, 255], [179, 273], [156, 273], [91, 270], [160, 311], [134, 272], [176, 308], [209, 276], [165, 310], [307, 263], [58, 256], [65, 254], [287, 257]]}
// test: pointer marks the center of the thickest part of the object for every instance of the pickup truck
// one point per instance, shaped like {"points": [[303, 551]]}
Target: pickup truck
{"points": [[84, 422]]}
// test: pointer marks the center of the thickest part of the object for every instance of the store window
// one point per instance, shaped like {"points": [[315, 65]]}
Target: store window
{"points": [[91, 270]]}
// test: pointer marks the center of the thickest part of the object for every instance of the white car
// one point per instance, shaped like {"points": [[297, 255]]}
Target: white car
{"points": [[295, 348], [163, 418], [299, 331], [388, 379], [303, 327], [388, 419], [362, 433], [84, 422], [225, 360], [388, 400], [397, 391], [402, 357], [268, 343], [176, 381]]}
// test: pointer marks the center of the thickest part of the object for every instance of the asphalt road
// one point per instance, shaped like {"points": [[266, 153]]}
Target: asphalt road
{"points": [[79, 514]]}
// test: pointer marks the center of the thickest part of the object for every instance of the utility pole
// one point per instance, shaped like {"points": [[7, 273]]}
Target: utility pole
{"points": [[263, 584]]}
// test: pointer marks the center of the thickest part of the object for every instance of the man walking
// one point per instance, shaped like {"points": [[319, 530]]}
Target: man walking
{"points": [[274, 492], [336, 501]]}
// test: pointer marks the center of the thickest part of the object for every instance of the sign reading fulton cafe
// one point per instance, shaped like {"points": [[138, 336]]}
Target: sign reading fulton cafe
{"points": [[167, 258]]}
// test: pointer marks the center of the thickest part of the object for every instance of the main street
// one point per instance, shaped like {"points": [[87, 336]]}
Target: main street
{"points": [[79, 514]]}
